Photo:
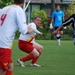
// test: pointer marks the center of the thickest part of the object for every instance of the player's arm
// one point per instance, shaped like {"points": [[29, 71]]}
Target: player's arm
{"points": [[51, 24], [35, 29], [64, 20], [30, 30], [56, 31], [69, 20], [52, 21], [21, 22], [63, 16]]}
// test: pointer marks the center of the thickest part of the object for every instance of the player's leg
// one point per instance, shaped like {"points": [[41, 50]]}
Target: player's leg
{"points": [[2, 72], [10, 64], [10, 69], [39, 48], [32, 55], [58, 39], [60, 32], [28, 48], [57, 36], [5, 61], [2, 69]]}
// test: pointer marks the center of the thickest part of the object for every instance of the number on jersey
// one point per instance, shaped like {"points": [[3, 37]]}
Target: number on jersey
{"points": [[2, 18]]}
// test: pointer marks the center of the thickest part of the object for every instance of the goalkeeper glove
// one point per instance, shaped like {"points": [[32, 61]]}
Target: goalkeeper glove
{"points": [[51, 27], [65, 27]]}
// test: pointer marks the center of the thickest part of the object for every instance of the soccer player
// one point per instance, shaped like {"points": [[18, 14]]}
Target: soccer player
{"points": [[27, 44], [67, 22], [57, 19], [12, 18]]}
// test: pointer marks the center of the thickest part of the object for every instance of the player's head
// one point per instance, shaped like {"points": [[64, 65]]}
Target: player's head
{"points": [[19, 2], [37, 20], [58, 7]]}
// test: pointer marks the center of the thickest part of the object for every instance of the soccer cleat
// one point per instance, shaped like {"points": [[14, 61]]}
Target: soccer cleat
{"points": [[21, 63], [35, 65]]}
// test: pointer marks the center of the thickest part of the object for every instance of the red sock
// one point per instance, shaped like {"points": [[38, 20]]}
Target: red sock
{"points": [[8, 72], [35, 59], [29, 57]]}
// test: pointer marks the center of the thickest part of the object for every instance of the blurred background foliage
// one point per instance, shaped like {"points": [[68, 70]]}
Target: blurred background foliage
{"points": [[44, 26], [5, 3]]}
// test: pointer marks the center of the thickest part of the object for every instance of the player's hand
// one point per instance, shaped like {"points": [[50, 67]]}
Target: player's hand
{"points": [[54, 32], [40, 34], [30, 30], [51, 26], [65, 27]]}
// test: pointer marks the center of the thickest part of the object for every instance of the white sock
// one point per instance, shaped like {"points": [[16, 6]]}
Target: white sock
{"points": [[58, 40], [57, 35]]}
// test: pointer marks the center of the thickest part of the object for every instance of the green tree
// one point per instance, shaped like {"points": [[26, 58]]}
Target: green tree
{"points": [[5, 3], [70, 9]]}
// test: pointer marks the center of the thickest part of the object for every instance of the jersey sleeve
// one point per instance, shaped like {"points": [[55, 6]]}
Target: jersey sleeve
{"points": [[34, 28], [71, 19], [53, 15], [21, 21], [36, 31], [63, 14]]}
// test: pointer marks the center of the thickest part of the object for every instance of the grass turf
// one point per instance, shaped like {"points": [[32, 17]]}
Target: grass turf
{"points": [[55, 60]]}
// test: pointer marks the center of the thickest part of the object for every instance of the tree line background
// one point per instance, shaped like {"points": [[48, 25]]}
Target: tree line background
{"points": [[44, 26]]}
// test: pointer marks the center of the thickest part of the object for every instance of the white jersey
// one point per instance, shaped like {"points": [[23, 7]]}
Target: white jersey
{"points": [[11, 18], [30, 37]]}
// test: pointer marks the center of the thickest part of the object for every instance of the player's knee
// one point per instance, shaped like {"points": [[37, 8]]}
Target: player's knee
{"points": [[41, 48], [61, 32], [58, 36], [10, 67], [36, 55]]}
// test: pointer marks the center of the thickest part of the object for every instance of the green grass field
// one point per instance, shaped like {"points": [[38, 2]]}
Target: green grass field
{"points": [[55, 60]]}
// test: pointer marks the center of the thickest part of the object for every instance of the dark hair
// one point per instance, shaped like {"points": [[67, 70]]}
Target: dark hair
{"points": [[58, 5], [18, 1]]}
